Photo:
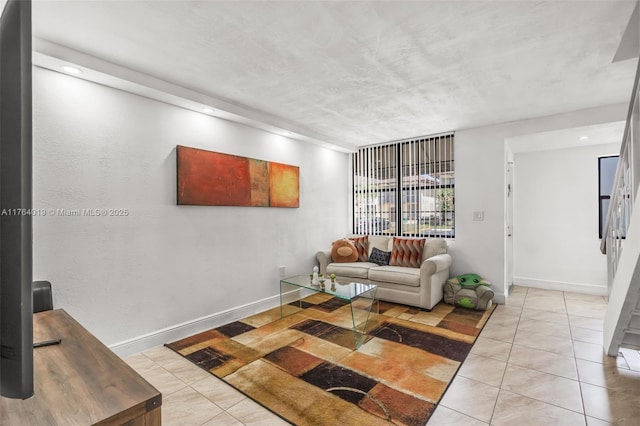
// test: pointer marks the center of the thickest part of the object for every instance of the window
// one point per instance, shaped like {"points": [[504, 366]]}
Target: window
{"points": [[606, 174], [405, 188]]}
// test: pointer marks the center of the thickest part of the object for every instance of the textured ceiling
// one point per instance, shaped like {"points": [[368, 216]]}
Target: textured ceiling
{"points": [[365, 72]]}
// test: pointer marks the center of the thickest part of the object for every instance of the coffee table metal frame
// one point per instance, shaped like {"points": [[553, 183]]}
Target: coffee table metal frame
{"points": [[361, 298]]}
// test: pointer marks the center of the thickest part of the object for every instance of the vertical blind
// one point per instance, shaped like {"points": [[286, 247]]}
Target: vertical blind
{"points": [[405, 188]]}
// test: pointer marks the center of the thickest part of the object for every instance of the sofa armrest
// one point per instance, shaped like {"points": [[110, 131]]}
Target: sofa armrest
{"points": [[435, 264], [434, 271], [324, 258]]}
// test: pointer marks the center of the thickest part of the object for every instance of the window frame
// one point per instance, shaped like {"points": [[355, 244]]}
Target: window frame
{"points": [[398, 210], [601, 198]]}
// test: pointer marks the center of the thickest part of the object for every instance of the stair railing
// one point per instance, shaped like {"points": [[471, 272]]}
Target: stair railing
{"points": [[625, 188]]}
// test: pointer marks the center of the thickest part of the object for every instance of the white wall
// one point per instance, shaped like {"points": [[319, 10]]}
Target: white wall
{"points": [[162, 265], [556, 242], [480, 159]]}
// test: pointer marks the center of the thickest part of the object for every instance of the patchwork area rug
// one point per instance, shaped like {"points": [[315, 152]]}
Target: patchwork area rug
{"points": [[304, 367]]}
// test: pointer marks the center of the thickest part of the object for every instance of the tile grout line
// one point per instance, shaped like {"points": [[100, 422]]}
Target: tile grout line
{"points": [[466, 415], [575, 361], [507, 362], [534, 399], [495, 404]]}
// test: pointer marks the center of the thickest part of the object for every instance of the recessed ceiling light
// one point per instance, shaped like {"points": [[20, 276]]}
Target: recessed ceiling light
{"points": [[207, 110], [583, 138], [70, 69]]}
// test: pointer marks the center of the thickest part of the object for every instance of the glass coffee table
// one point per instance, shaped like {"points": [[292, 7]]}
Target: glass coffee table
{"points": [[361, 299]]}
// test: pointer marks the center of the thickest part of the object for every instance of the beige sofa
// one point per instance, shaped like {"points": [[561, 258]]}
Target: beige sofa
{"points": [[421, 287]]}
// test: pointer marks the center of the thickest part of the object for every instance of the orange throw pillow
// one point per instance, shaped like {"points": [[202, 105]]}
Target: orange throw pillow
{"points": [[343, 251], [362, 245], [407, 252]]}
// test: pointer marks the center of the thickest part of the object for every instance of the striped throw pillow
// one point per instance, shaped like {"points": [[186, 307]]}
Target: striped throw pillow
{"points": [[407, 252], [362, 246]]}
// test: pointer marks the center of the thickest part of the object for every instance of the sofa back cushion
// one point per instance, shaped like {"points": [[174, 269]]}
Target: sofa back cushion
{"points": [[407, 252], [434, 247], [380, 242]]}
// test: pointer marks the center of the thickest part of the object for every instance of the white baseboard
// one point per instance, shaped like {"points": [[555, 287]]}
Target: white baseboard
{"points": [[597, 290], [186, 329]]}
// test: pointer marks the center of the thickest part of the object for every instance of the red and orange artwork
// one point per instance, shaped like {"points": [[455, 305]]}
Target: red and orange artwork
{"points": [[283, 185], [207, 178]]}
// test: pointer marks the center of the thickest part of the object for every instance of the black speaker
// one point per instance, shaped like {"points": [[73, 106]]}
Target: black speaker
{"points": [[42, 297]]}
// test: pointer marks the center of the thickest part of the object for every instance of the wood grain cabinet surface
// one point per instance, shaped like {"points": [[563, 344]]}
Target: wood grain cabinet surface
{"points": [[80, 382]]}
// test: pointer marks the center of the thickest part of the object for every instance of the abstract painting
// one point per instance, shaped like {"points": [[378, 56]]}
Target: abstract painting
{"points": [[207, 178]]}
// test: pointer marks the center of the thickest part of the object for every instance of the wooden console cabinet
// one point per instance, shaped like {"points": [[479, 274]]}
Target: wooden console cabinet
{"points": [[80, 382]]}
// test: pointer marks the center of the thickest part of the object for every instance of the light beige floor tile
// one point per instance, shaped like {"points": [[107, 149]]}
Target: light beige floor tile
{"points": [[592, 352], [164, 381], [544, 387], [444, 416], [503, 319], [545, 303], [253, 414], [547, 362], [186, 371], [518, 289], [544, 292], [140, 363], [592, 298], [545, 295], [223, 419], [583, 322], [592, 421], [516, 299], [491, 348], [479, 407], [509, 309], [187, 407], [498, 332], [557, 329], [218, 392], [585, 309], [485, 370], [609, 376], [587, 335], [547, 316], [161, 355], [512, 409], [553, 344], [614, 406], [555, 299]]}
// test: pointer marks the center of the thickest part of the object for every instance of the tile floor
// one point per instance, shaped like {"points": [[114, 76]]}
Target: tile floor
{"points": [[538, 361]]}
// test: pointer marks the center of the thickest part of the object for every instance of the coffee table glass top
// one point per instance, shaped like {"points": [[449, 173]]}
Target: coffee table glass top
{"points": [[343, 290], [359, 297]]}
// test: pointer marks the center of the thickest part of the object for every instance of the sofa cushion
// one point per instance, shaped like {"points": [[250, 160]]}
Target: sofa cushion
{"points": [[379, 257], [362, 246], [380, 242], [352, 269], [396, 275], [343, 251], [434, 247], [407, 252]]}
